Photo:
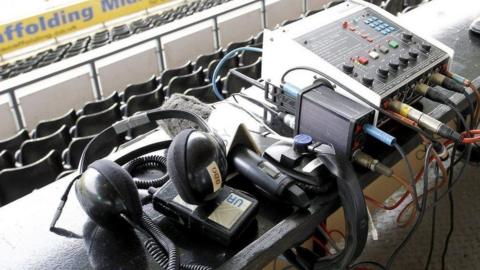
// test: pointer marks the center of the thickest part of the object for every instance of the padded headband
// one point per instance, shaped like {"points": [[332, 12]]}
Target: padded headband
{"points": [[97, 147]]}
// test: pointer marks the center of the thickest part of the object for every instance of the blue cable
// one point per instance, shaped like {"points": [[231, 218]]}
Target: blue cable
{"points": [[229, 55], [379, 134]]}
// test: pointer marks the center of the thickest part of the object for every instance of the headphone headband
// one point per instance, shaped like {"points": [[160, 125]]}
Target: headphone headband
{"points": [[95, 148]]}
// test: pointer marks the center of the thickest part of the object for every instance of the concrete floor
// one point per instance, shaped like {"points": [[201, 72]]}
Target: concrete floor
{"points": [[464, 245]]}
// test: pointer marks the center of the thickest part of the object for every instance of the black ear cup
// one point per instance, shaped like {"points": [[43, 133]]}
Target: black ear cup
{"points": [[197, 165], [106, 190]]}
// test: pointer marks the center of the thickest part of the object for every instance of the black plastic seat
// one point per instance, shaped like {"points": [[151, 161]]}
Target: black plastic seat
{"points": [[248, 57], [101, 105], [180, 84], [88, 125], [47, 127], [287, 22], [140, 88], [312, 12], [6, 160], [75, 149], [13, 143], [234, 84], [204, 93], [229, 64], [18, 182], [204, 60], [168, 74], [144, 102], [34, 149], [234, 45]]}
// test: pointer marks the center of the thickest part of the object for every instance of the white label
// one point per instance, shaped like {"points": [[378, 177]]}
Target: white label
{"points": [[230, 210], [215, 175]]}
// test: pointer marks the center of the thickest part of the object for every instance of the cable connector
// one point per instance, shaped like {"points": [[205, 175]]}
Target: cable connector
{"points": [[424, 120], [372, 164], [442, 80], [379, 134], [433, 94]]}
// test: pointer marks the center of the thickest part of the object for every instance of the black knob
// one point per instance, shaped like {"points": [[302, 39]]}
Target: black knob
{"points": [[394, 64], [407, 37], [426, 47], [413, 53], [382, 71], [367, 80], [404, 59], [348, 68]]}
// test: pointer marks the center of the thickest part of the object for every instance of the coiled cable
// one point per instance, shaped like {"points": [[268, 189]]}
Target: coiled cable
{"points": [[159, 255], [148, 162]]}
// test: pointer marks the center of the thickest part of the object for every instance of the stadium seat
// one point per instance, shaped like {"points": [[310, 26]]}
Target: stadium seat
{"points": [[34, 149], [248, 57], [88, 125], [101, 105], [47, 127], [234, 45], [18, 182], [74, 151], [229, 64], [180, 84], [234, 84], [144, 102], [168, 74], [6, 160], [204, 93], [140, 88], [13, 143], [204, 60]]}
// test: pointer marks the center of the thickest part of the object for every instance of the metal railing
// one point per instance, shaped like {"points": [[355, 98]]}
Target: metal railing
{"points": [[9, 86]]}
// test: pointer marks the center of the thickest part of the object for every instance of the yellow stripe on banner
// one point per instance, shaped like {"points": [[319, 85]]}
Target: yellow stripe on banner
{"points": [[42, 27]]}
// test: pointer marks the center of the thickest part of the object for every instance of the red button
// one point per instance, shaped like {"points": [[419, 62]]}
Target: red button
{"points": [[363, 60], [345, 25], [369, 39], [352, 28], [364, 35]]}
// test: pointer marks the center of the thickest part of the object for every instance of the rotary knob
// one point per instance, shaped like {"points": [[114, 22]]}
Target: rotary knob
{"points": [[407, 37], [404, 59], [413, 53], [382, 72], [347, 68], [426, 47], [367, 80], [394, 64]]}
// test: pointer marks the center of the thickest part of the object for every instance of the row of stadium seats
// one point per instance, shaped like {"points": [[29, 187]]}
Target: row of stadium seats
{"points": [[102, 38], [32, 160]]}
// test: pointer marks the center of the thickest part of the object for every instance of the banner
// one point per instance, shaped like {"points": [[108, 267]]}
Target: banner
{"points": [[42, 27]]}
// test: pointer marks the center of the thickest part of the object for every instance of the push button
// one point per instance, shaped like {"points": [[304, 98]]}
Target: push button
{"points": [[363, 60], [373, 55], [383, 49], [393, 44]]}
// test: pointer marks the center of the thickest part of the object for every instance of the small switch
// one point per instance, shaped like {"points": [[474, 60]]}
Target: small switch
{"points": [[373, 55], [382, 72], [363, 60], [383, 49], [407, 37], [413, 53], [394, 64], [426, 47], [404, 59], [393, 44]]}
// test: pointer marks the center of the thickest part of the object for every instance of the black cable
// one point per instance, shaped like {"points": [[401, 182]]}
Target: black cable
{"points": [[421, 213], [434, 215], [148, 162], [411, 176], [383, 111], [173, 262], [451, 209], [378, 265]]}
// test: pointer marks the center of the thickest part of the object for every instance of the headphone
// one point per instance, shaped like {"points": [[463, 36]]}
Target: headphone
{"points": [[196, 164]]}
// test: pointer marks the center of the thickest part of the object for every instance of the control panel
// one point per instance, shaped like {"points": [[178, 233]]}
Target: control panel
{"points": [[369, 51], [373, 50]]}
